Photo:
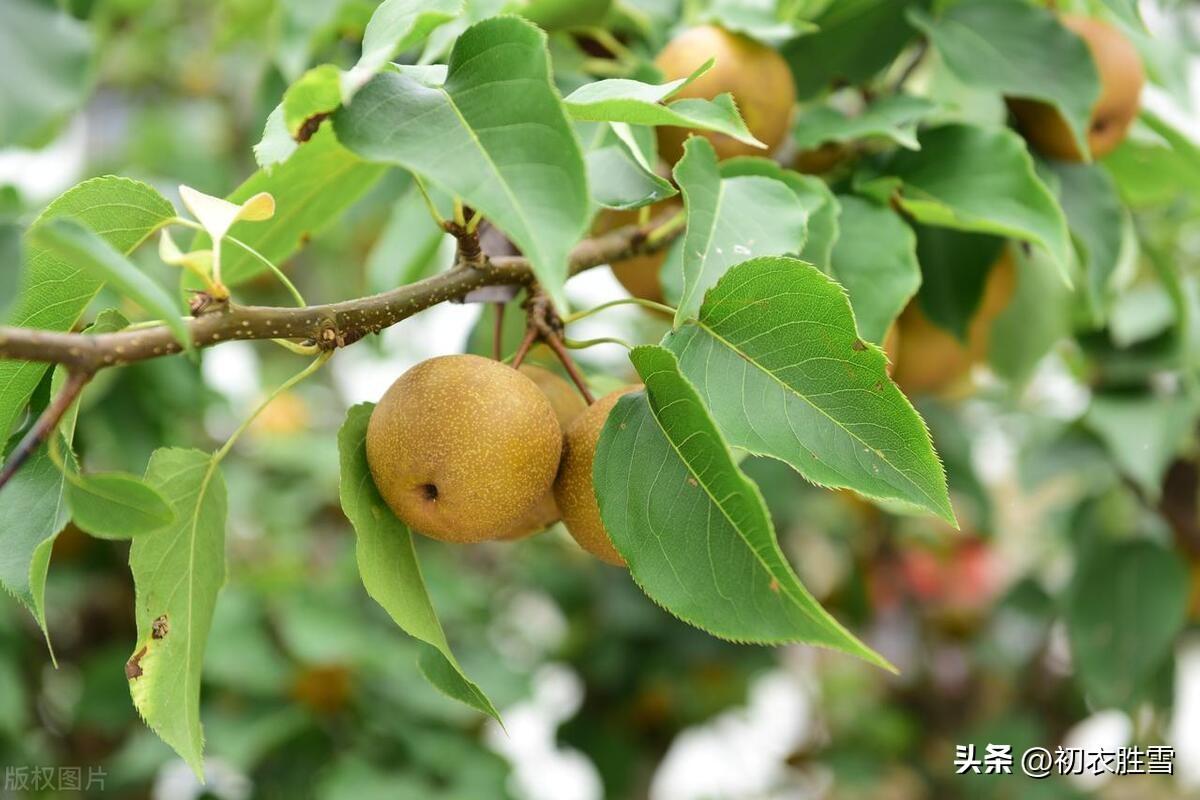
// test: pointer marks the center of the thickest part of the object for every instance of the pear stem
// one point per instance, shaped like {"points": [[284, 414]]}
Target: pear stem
{"points": [[570, 366]]}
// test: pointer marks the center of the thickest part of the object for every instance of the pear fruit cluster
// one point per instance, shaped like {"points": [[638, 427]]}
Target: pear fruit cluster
{"points": [[466, 449]]}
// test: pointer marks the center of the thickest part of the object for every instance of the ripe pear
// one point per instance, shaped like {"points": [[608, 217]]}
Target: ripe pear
{"points": [[640, 274], [461, 446], [568, 404], [573, 487], [931, 360], [1121, 81], [757, 76]]}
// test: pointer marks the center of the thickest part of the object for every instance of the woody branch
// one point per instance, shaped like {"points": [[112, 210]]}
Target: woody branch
{"points": [[327, 326]]}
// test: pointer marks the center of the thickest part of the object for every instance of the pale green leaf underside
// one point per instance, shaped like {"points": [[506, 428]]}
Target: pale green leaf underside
{"points": [[1018, 50], [778, 362], [618, 181], [979, 179], [495, 134], [114, 505], [894, 118], [177, 572], [54, 292], [730, 220], [388, 565], [619, 168], [692, 527], [638, 103]]}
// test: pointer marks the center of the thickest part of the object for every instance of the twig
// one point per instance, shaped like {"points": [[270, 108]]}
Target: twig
{"points": [[498, 333], [530, 335], [326, 326], [45, 424], [570, 366]]}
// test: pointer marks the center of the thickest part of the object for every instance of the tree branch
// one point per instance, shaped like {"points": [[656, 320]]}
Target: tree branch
{"points": [[328, 326], [41, 430]]}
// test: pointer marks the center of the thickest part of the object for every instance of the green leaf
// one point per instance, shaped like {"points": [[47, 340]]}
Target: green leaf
{"points": [[1037, 317], [638, 103], [1018, 50], [618, 181], [388, 565], [978, 179], [613, 99], [74, 243], [875, 259], [114, 505], [619, 168], [767, 22], [33, 511], [495, 134], [954, 272], [396, 25], [54, 293], [1143, 434], [815, 196], [854, 40], [692, 527], [45, 70], [777, 360], [1151, 173], [1126, 605], [893, 118], [11, 249], [729, 220], [177, 573], [312, 189], [1101, 227], [34, 508]]}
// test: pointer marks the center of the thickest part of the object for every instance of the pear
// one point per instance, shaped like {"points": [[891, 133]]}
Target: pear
{"points": [[568, 404], [573, 488], [461, 446], [1121, 81], [930, 360], [757, 76]]}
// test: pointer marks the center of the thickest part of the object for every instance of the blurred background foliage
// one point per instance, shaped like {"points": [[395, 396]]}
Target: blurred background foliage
{"points": [[1006, 632]]}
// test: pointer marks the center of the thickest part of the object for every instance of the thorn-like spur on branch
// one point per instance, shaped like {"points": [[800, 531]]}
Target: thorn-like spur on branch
{"points": [[44, 426], [325, 326]]}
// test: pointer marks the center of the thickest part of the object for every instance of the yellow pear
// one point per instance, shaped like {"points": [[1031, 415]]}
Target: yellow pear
{"points": [[757, 76], [573, 488], [568, 404], [931, 360], [461, 446], [1121, 81]]}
